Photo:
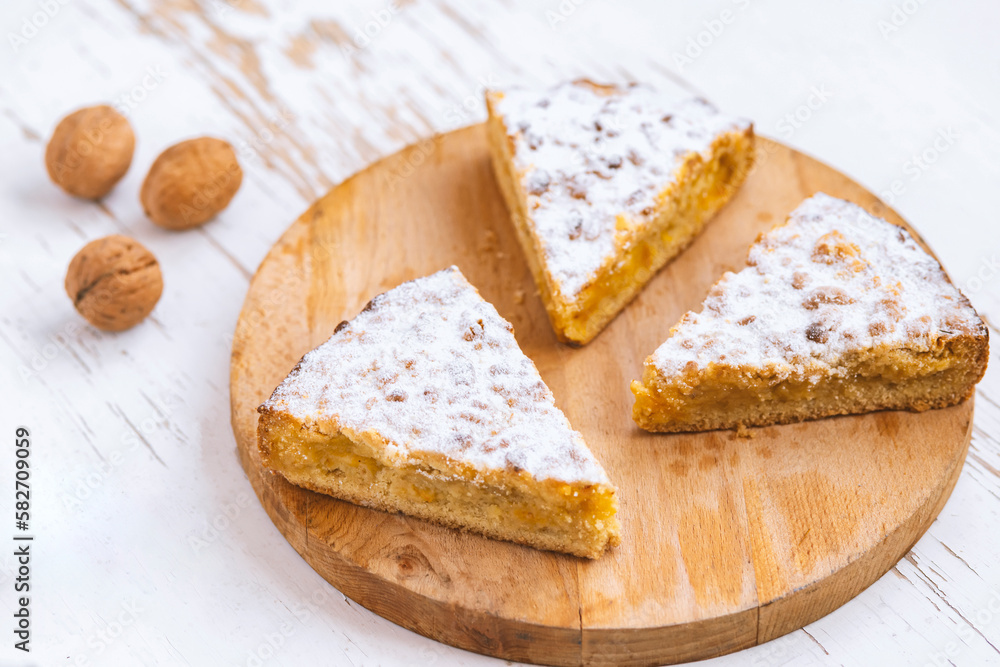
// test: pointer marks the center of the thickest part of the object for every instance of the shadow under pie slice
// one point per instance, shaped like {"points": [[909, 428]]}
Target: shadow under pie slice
{"points": [[605, 185], [424, 404], [837, 312]]}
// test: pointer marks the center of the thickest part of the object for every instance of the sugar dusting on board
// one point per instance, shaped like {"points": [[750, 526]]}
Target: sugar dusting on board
{"points": [[433, 367], [832, 279], [588, 158]]}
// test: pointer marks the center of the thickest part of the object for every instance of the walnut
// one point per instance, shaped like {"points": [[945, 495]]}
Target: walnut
{"points": [[538, 182], [800, 279], [877, 329], [894, 307], [833, 247], [90, 151], [190, 182], [576, 189], [826, 295], [817, 333], [114, 282]]}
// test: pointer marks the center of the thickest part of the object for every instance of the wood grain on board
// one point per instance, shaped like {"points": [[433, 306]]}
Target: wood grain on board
{"points": [[727, 542]]}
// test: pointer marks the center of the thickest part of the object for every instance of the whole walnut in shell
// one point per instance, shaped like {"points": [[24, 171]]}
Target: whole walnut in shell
{"points": [[190, 182], [114, 282], [90, 151]]}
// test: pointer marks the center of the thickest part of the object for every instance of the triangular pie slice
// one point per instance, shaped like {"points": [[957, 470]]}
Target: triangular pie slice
{"points": [[605, 185], [424, 404], [837, 312]]}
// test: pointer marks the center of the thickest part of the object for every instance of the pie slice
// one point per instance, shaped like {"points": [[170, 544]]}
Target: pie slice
{"points": [[837, 312], [607, 184], [424, 404]]}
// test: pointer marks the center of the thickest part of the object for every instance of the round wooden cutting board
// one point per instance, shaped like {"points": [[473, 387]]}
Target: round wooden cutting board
{"points": [[727, 542]]}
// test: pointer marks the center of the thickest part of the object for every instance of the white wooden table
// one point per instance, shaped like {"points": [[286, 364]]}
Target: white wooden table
{"points": [[150, 545]]}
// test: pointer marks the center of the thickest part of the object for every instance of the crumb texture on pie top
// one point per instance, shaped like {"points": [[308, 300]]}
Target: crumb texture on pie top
{"points": [[432, 367], [593, 160], [833, 279]]}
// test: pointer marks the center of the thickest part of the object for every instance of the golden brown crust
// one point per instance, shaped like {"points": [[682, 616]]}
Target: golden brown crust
{"points": [[925, 395], [836, 313], [700, 188], [443, 418], [585, 541]]}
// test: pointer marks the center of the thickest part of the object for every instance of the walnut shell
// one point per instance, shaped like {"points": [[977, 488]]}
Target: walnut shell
{"points": [[114, 282], [190, 182], [90, 151]]}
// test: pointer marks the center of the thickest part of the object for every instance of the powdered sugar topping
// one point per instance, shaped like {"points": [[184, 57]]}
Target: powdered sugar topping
{"points": [[832, 279], [432, 367], [589, 158]]}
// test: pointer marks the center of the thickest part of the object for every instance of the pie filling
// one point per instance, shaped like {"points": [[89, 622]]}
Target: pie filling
{"points": [[684, 208], [520, 506], [724, 396]]}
